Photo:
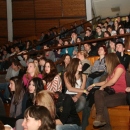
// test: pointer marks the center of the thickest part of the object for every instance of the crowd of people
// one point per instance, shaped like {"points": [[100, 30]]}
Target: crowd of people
{"points": [[46, 91]]}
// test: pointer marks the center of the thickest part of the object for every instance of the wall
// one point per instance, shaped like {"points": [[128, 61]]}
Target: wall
{"points": [[3, 22], [36, 16]]}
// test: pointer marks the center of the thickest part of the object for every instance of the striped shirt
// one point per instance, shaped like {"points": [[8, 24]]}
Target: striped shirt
{"points": [[55, 84]]}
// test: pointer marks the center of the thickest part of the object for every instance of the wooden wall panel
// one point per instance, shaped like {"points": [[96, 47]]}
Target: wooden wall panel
{"points": [[3, 9], [3, 41], [3, 28], [23, 9], [3, 22], [73, 8], [44, 25], [66, 22], [24, 28], [48, 8]]}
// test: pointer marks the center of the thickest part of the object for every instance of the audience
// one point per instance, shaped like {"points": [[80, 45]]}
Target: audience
{"points": [[70, 76]]}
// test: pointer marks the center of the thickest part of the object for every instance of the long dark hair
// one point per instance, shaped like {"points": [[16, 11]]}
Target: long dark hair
{"points": [[19, 89], [64, 56], [71, 71], [41, 113], [53, 71], [39, 86]]}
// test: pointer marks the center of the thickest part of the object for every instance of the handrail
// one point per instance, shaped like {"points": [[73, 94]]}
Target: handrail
{"points": [[76, 44], [65, 25], [62, 33]]}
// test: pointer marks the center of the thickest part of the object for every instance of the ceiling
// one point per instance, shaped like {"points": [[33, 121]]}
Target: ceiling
{"points": [[103, 8]]}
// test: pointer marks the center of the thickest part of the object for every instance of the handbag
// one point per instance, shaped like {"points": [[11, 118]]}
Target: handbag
{"points": [[95, 74], [128, 98], [109, 90]]}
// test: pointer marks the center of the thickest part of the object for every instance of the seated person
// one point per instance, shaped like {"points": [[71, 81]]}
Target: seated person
{"points": [[99, 33], [17, 91], [67, 118], [82, 55], [124, 58], [49, 54], [51, 79], [98, 68], [88, 49], [38, 118], [32, 71], [68, 50], [75, 83], [112, 46], [88, 35], [12, 71], [115, 82]]}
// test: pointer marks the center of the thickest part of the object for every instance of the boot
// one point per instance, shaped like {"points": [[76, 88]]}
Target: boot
{"points": [[99, 121]]}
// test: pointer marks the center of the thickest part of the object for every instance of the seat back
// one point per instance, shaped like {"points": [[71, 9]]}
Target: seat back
{"points": [[92, 59]]}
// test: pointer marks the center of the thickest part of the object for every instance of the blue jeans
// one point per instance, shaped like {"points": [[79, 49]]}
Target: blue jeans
{"points": [[68, 127], [91, 81], [4, 86], [85, 115], [80, 104]]}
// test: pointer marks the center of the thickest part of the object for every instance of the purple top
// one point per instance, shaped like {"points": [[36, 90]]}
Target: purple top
{"points": [[26, 80]]}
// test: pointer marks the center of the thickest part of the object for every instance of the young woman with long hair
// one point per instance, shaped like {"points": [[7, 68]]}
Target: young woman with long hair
{"points": [[117, 84], [32, 71], [35, 85], [75, 83], [17, 92], [51, 78], [61, 67]]}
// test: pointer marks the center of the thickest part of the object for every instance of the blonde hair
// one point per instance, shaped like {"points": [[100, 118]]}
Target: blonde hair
{"points": [[84, 53], [44, 98], [112, 61], [36, 73]]}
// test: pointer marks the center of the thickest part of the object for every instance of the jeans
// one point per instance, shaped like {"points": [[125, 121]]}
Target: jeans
{"points": [[4, 86], [85, 115], [103, 100], [68, 127], [91, 81], [80, 104]]}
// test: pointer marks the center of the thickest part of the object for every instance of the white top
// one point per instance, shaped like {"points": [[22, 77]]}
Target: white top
{"points": [[8, 126], [77, 85]]}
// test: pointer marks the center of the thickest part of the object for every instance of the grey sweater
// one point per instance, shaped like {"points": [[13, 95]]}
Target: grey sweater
{"points": [[11, 73]]}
